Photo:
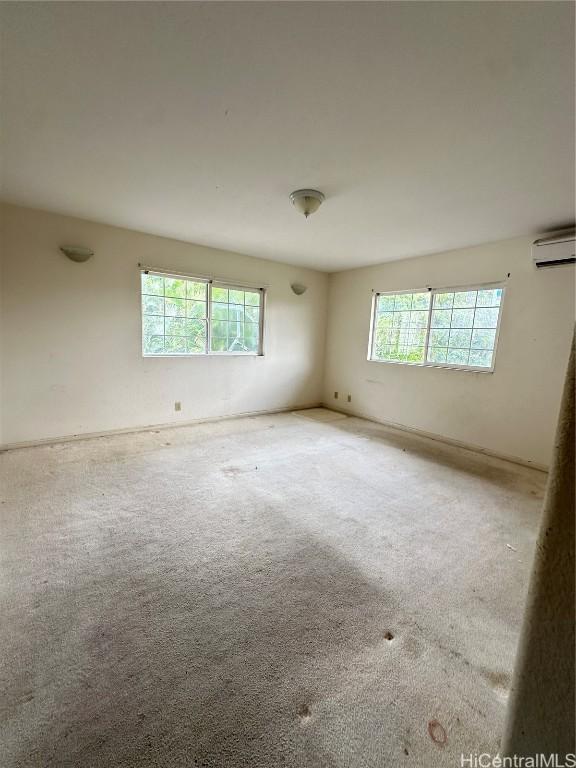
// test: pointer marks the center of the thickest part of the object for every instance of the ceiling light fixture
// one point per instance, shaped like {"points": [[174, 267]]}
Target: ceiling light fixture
{"points": [[307, 201]]}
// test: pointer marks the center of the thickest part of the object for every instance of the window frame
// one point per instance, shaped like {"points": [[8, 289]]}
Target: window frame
{"points": [[433, 292], [210, 282]]}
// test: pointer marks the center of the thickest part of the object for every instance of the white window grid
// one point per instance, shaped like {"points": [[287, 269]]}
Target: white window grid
{"points": [[432, 292], [210, 283]]}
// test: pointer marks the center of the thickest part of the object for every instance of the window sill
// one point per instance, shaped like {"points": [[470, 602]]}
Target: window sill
{"points": [[468, 368], [203, 354]]}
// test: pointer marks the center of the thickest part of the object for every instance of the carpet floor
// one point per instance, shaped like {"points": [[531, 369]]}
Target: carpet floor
{"points": [[291, 590]]}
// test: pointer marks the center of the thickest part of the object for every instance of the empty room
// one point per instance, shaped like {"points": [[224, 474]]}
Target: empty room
{"points": [[287, 305]]}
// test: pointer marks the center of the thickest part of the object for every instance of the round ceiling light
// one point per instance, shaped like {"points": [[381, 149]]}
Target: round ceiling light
{"points": [[307, 201]]}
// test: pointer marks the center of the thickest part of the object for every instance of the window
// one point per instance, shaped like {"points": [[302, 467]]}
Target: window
{"points": [[453, 328], [193, 316], [235, 319]]}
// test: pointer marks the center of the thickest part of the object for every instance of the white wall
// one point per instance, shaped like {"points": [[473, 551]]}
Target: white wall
{"points": [[71, 334], [71, 360], [2, 248], [512, 411]]}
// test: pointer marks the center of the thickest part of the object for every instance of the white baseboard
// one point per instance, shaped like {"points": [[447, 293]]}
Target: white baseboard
{"points": [[148, 427], [306, 406], [441, 439]]}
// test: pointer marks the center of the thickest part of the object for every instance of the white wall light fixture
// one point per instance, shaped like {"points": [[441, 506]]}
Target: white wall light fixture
{"points": [[77, 252], [307, 201]]}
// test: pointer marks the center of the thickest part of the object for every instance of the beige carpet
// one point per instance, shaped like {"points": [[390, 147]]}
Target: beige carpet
{"points": [[270, 591]]}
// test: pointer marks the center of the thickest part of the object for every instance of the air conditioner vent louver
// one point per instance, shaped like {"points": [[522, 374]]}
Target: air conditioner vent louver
{"points": [[555, 250]]}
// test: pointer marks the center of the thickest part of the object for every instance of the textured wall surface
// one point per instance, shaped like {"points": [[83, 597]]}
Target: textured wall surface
{"points": [[71, 333], [512, 411]]}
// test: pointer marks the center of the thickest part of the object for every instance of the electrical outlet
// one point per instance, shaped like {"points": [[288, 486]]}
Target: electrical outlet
{"points": [[177, 405], [349, 398], [335, 395]]}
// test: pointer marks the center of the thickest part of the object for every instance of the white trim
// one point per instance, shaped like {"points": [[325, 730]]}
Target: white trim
{"points": [[442, 288], [441, 438], [221, 281], [446, 366], [200, 355], [372, 324], [169, 273], [246, 414], [208, 321], [165, 425], [232, 285], [429, 327], [263, 310]]}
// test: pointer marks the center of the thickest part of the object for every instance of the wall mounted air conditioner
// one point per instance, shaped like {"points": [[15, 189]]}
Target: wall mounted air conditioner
{"points": [[555, 250]]}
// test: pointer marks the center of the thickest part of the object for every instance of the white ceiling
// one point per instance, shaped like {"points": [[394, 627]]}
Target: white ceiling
{"points": [[428, 126]]}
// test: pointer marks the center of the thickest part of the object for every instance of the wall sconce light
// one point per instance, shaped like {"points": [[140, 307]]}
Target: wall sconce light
{"points": [[76, 252], [298, 288]]}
